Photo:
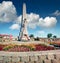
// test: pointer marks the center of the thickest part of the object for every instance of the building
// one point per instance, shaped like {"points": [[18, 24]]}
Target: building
{"points": [[5, 37]]}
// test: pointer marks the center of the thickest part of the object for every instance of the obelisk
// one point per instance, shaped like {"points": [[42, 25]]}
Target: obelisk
{"points": [[23, 34]]}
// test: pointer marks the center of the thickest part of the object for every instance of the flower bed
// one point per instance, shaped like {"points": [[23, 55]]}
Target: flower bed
{"points": [[25, 47]]}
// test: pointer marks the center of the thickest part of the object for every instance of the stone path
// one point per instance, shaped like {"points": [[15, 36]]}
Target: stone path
{"points": [[22, 42]]}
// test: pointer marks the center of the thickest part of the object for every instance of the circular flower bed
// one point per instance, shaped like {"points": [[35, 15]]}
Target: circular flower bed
{"points": [[25, 48]]}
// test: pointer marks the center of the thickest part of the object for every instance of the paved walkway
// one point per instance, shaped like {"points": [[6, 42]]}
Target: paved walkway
{"points": [[22, 42]]}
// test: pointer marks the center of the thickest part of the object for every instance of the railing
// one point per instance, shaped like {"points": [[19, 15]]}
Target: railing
{"points": [[52, 56]]}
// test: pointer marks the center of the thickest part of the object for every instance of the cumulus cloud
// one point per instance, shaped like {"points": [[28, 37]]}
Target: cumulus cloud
{"points": [[47, 22], [18, 19], [15, 26], [34, 20], [56, 13], [7, 11]]}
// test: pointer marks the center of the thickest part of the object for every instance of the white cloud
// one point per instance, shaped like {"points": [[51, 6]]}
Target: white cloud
{"points": [[18, 19], [56, 13], [14, 26], [47, 22], [32, 20], [32, 17], [7, 11]]}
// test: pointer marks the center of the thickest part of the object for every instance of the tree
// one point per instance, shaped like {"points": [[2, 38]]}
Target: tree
{"points": [[49, 35], [54, 36], [31, 35], [36, 39]]}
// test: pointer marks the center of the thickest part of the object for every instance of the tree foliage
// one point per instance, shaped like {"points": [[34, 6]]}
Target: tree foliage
{"points": [[49, 35], [31, 35], [54, 36]]}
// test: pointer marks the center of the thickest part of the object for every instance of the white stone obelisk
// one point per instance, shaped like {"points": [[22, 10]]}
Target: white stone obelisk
{"points": [[23, 35]]}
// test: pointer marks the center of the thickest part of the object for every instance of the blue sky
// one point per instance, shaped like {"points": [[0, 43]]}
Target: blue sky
{"points": [[43, 16]]}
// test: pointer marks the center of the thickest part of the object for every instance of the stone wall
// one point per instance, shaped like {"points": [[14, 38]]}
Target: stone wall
{"points": [[52, 56]]}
